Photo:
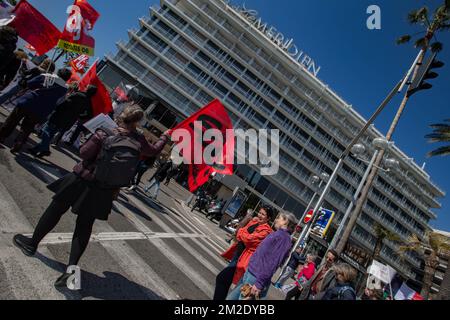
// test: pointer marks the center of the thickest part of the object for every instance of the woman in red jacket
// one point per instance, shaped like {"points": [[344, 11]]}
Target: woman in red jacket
{"points": [[248, 240], [304, 276]]}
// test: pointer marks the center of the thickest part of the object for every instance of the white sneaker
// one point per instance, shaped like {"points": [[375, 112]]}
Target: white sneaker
{"points": [[132, 188]]}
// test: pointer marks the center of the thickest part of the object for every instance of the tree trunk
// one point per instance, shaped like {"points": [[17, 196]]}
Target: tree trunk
{"points": [[427, 282], [431, 263], [365, 192]]}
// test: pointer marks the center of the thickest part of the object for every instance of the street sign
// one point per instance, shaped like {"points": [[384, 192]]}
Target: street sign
{"points": [[309, 216], [323, 222]]}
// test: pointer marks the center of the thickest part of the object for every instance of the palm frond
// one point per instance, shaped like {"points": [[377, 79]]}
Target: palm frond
{"points": [[437, 47], [404, 39], [442, 151], [438, 242], [417, 16], [440, 126], [437, 137], [420, 43]]}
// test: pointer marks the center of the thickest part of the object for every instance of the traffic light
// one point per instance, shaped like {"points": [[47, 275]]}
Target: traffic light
{"points": [[425, 73]]}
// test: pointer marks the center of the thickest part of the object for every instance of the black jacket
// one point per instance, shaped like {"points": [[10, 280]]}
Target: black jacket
{"points": [[69, 109], [295, 260], [340, 292], [163, 171]]}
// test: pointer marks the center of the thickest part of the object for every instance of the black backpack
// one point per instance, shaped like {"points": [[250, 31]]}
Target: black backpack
{"points": [[117, 162]]}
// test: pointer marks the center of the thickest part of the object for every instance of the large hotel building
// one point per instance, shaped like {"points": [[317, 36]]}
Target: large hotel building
{"points": [[188, 52]]}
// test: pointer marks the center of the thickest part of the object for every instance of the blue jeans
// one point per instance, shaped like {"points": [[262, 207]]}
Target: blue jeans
{"points": [[153, 183], [250, 279], [48, 131]]}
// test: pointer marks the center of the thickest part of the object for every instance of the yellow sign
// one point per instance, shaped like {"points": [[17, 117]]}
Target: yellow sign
{"points": [[77, 48]]}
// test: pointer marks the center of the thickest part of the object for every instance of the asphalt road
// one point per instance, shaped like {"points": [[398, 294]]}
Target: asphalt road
{"points": [[147, 250]]}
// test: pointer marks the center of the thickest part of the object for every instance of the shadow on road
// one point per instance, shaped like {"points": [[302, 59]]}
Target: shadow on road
{"points": [[112, 286], [44, 170]]}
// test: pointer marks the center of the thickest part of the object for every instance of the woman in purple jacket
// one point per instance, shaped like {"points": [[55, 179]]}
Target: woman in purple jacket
{"points": [[79, 191], [269, 256]]}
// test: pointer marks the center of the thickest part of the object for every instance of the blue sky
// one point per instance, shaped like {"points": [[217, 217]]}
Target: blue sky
{"points": [[361, 65]]}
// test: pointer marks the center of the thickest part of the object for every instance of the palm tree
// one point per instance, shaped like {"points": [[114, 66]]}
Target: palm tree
{"points": [[432, 24], [382, 234], [429, 249], [439, 21], [441, 134]]}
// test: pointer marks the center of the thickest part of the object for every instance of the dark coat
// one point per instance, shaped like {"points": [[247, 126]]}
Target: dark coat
{"points": [[69, 109], [41, 101], [328, 282], [344, 291], [9, 72], [79, 189], [295, 260], [163, 171]]}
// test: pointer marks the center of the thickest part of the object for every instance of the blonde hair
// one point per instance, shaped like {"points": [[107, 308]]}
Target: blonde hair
{"points": [[347, 272], [130, 116]]}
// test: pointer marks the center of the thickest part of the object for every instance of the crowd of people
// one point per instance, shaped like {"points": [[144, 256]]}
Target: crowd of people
{"points": [[260, 248], [261, 243], [109, 159]]}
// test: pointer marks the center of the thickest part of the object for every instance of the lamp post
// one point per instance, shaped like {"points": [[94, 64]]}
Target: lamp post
{"points": [[314, 180], [357, 151]]}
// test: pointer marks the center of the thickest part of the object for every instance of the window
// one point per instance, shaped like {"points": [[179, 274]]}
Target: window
{"points": [[176, 19], [154, 41], [165, 30], [186, 85]]}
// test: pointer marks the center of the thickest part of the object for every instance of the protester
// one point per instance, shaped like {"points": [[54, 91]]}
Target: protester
{"points": [[269, 256], [11, 71], [344, 288], [8, 44], [248, 239], [34, 107], [294, 262], [84, 193], [66, 113], [304, 275], [143, 166], [158, 177], [322, 280], [20, 73], [173, 172]]}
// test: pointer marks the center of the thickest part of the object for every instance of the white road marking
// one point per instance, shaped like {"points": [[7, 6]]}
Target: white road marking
{"points": [[174, 257], [59, 238]]}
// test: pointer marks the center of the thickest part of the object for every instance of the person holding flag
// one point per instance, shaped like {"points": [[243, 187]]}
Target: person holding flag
{"points": [[67, 112]]}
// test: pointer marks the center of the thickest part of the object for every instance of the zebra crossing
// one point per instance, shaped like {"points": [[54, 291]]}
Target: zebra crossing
{"points": [[163, 249]]}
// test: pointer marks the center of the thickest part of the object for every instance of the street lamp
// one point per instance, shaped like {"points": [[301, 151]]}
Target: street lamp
{"points": [[314, 181], [358, 150]]}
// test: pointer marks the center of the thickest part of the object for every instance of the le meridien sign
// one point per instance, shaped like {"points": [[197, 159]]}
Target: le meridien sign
{"points": [[286, 44]]}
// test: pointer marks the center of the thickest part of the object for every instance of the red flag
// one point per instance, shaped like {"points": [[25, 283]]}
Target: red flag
{"points": [[74, 78], [101, 102], [76, 38], [80, 63], [89, 14], [34, 27], [212, 116]]}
